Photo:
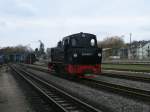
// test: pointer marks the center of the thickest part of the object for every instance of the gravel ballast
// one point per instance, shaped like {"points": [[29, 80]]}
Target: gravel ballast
{"points": [[125, 82], [121, 81], [130, 73], [103, 99]]}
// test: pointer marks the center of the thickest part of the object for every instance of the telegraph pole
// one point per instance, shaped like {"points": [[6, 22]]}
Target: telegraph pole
{"points": [[130, 54], [130, 37]]}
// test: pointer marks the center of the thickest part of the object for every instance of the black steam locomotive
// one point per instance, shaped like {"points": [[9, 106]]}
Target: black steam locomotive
{"points": [[77, 54], [30, 58]]}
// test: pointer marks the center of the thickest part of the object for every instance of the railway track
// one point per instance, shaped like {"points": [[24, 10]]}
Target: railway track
{"points": [[63, 101], [129, 77], [125, 90], [129, 91], [114, 75]]}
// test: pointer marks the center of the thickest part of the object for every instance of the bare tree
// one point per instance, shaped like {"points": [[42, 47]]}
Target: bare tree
{"points": [[16, 49], [111, 42]]}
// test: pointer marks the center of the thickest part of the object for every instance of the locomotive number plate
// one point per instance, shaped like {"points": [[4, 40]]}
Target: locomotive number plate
{"points": [[86, 54]]}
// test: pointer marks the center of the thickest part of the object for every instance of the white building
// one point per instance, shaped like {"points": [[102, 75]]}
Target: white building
{"points": [[144, 51]]}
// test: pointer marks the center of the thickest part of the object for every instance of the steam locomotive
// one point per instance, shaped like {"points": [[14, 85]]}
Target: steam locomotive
{"points": [[77, 55], [30, 58]]}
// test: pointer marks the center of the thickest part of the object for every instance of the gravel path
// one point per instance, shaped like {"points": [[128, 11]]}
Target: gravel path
{"points": [[103, 99], [12, 98]]}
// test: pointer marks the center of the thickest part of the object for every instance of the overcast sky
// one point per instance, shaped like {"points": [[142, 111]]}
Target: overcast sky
{"points": [[27, 21]]}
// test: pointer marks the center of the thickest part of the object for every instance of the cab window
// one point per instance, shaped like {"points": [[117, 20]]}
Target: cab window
{"points": [[92, 42], [73, 42]]}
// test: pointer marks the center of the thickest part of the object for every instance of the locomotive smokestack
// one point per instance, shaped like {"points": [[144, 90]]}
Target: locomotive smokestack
{"points": [[82, 34]]}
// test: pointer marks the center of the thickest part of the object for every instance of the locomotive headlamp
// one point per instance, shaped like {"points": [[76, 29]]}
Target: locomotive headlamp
{"points": [[99, 54], [75, 55]]}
